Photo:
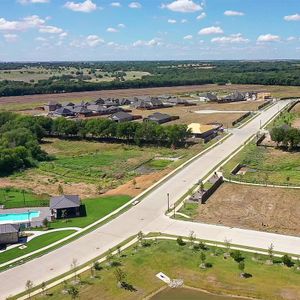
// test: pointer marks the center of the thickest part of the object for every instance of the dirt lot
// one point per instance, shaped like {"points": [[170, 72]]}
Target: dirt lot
{"points": [[21, 101], [187, 115], [259, 208]]}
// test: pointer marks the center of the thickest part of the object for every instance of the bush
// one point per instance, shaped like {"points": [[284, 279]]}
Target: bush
{"points": [[180, 241], [287, 260], [237, 256]]}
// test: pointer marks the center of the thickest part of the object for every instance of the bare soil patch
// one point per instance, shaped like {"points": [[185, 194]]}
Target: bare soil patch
{"points": [[259, 208], [187, 114]]}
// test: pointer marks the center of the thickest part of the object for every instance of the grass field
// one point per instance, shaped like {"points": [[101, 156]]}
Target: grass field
{"points": [[267, 281], [14, 198], [95, 209], [34, 244], [266, 165], [90, 168], [35, 74]]}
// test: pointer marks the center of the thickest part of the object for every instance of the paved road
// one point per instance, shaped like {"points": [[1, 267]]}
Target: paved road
{"points": [[149, 216]]}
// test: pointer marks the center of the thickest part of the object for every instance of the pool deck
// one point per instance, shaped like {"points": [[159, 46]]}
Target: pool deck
{"points": [[35, 221]]}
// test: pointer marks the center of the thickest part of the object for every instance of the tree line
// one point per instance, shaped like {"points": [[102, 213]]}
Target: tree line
{"points": [[168, 73], [20, 136], [286, 136]]}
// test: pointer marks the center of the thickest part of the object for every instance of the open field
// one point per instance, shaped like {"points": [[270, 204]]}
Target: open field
{"points": [[34, 244], [266, 165], [89, 168], [34, 74], [267, 282], [259, 208], [30, 101]]}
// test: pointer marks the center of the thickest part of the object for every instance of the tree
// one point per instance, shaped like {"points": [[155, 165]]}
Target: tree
{"points": [[60, 189], [192, 239], [74, 268], [241, 266], [237, 256], [119, 250], [43, 287], [287, 260], [180, 241], [46, 222], [29, 286], [277, 135], [140, 237], [73, 292], [203, 259], [271, 252], [120, 276]]}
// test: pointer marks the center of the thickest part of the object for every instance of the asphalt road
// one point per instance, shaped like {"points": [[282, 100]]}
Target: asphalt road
{"points": [[148, 216]]}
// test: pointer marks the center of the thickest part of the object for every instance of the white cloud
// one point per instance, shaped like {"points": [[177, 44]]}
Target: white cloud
{"points": [[94, 40], [40, 39], [24, 2], [121, 25], [295, 17], [112, 30], [115, 4], [211, 30], [265, 38], [63, 35], [184, 6], [233, 13], [134, 5], [188, 37], [152, 43], [22, 25], [50, 29], [201, 16], [231, 39], [86, 6], [10, 37], [172, 21], [291, 38], [184, 21]]}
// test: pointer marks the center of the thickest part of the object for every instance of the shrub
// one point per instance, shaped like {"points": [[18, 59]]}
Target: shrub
{"points": [[180, 241]]}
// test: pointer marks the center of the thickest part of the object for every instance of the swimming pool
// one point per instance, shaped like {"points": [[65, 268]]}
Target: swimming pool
{"points": [[19, 217]]}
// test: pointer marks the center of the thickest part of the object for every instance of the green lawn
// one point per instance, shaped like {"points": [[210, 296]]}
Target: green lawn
{"points": [[159, 164], [35, 244], [95, 208], [141, 266], [267, 165], [14, 198]]}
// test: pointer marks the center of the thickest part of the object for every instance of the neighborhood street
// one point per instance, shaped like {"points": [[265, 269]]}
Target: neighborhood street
{"points": [[149, 216]]}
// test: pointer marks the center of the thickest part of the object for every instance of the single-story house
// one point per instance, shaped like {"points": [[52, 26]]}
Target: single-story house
{"points": [[82, 111], [52, 106], [121, 117], [160, 118], [179, 102], [9, 233], [148, 103], [208, 97], [65, 206], [63, 112], [234, 97], [203, 131], [97, 109]]}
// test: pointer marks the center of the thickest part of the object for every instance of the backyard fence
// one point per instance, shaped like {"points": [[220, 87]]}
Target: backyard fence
{"points": [[243, 117]]}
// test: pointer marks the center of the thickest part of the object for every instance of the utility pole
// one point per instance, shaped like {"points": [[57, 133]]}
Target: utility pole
{"points": [[168, 199], [174, 211]]}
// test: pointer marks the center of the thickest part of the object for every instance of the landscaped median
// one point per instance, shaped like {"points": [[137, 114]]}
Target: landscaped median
{"points": [[217, 268]]}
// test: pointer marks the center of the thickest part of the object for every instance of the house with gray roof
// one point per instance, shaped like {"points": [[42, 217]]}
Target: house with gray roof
{"points": [[9, 233], [63, 112], [52, 106], [208, 97], [160, 118], [121, 117], [65, 206], [233, 97]]}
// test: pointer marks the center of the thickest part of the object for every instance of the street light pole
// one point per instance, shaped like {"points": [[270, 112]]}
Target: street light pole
{"points": [[168, 198]]}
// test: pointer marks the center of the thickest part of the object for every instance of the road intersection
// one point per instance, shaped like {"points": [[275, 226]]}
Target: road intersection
{"points": [[149, 216]]}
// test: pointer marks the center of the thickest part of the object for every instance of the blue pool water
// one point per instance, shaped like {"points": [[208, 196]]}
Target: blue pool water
{"points": [[19, 217]]}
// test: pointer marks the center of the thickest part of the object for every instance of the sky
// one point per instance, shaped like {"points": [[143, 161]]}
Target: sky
{"points": [[62, 30]]}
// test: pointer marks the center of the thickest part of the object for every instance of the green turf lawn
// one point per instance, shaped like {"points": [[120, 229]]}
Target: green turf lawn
{"points": [[35, 244], [13, 198], [141, 266], [272, 166], [159, 164], [96, 209]]}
